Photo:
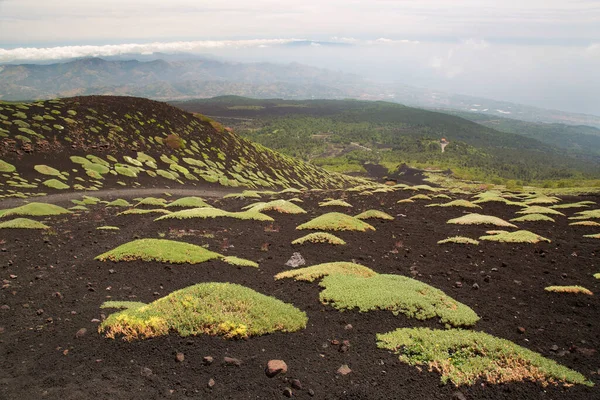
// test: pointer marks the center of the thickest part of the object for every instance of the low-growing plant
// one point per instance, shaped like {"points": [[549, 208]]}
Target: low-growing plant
{"points": [[374, 214], [189, 202], [336, 222], [320, 237], [108, 228], [465, 357], [224, 309], [398, 294], [46, 170], [22, 223], [55, 184], [310, 274], [35, 209], [540, 210], [569, 289], [585, 223], [594, 236], [589, 214], [141, 211], [335, 203], [152, 201], [281, 206], [520, 236], [456, 203], [161, 250], [480, 219], [240, 262], [459, 240], [533, 218], [119, 203], [6, 167], [210, 212], [419, 197]]}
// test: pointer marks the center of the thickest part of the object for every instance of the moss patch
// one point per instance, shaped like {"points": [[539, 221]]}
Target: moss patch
{"points": [[310, 274], [35, 210], [22, 223], [459, 240], [533, 218], [335, 203], [210, 212], [55, 184], [456, 203], [480, 219], [189, 202], [6, 167], [281, 206], [399, 294], [240, 262], [161, 250], [119, 203], [374, 214], [319, 237], [465, 357], [514, 237], [540, 210], [336, 222], [224, 309]]}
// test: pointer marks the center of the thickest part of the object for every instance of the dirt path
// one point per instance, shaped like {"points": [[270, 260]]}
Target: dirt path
{"points": [[116, 193]]}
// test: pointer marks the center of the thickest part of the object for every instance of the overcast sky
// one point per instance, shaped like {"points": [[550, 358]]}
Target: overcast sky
{"points": [[538, 52]]}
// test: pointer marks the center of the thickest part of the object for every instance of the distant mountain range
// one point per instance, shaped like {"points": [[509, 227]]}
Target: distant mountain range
{"points": [[179, 78]]}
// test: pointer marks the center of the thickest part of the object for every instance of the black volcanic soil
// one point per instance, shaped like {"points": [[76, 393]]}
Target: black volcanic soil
{"points": [[59, 287]]}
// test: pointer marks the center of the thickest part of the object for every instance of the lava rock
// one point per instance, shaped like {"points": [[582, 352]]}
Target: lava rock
{"points": [[276, 367], [344, 370], [179, 357], [287, 392], [232, 361], [146, 372], [521, 330], [81, 333], [211, 383], [296, 384], [208, 360]]}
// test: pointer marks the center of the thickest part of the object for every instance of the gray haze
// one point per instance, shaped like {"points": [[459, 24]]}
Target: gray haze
{"points": [[544, 53]]}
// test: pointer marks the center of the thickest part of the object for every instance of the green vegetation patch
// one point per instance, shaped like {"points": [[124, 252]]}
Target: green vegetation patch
{"points": [[594, 236], [280, 206], [399, 294], [35, 210], [569, 289], [336, 222], [161, 250], [152, 201], [78, 208], [543, 199], [6, 167], [335, 203], [465, 357], [597, 275], [141, 211], [480, 219], [585, 223], [310, 274], [589, 214], [320, 237], [119, 203], [246, 194], [189, 202], [55, 184], [540, 210], [210, 212], [22, 223], [108, 228], [521, 236], [46, 170], [239, 262], [419, 197], [459, 240], [533, 218], [456, 203], [224, 309], [374, 214], [581, 204]]}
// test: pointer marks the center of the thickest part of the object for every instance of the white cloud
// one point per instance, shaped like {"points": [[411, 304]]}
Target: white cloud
{"points": [[57, 53]]}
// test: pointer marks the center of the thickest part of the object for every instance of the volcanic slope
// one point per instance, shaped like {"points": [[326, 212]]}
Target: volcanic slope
{"points": [[94, 142]]}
